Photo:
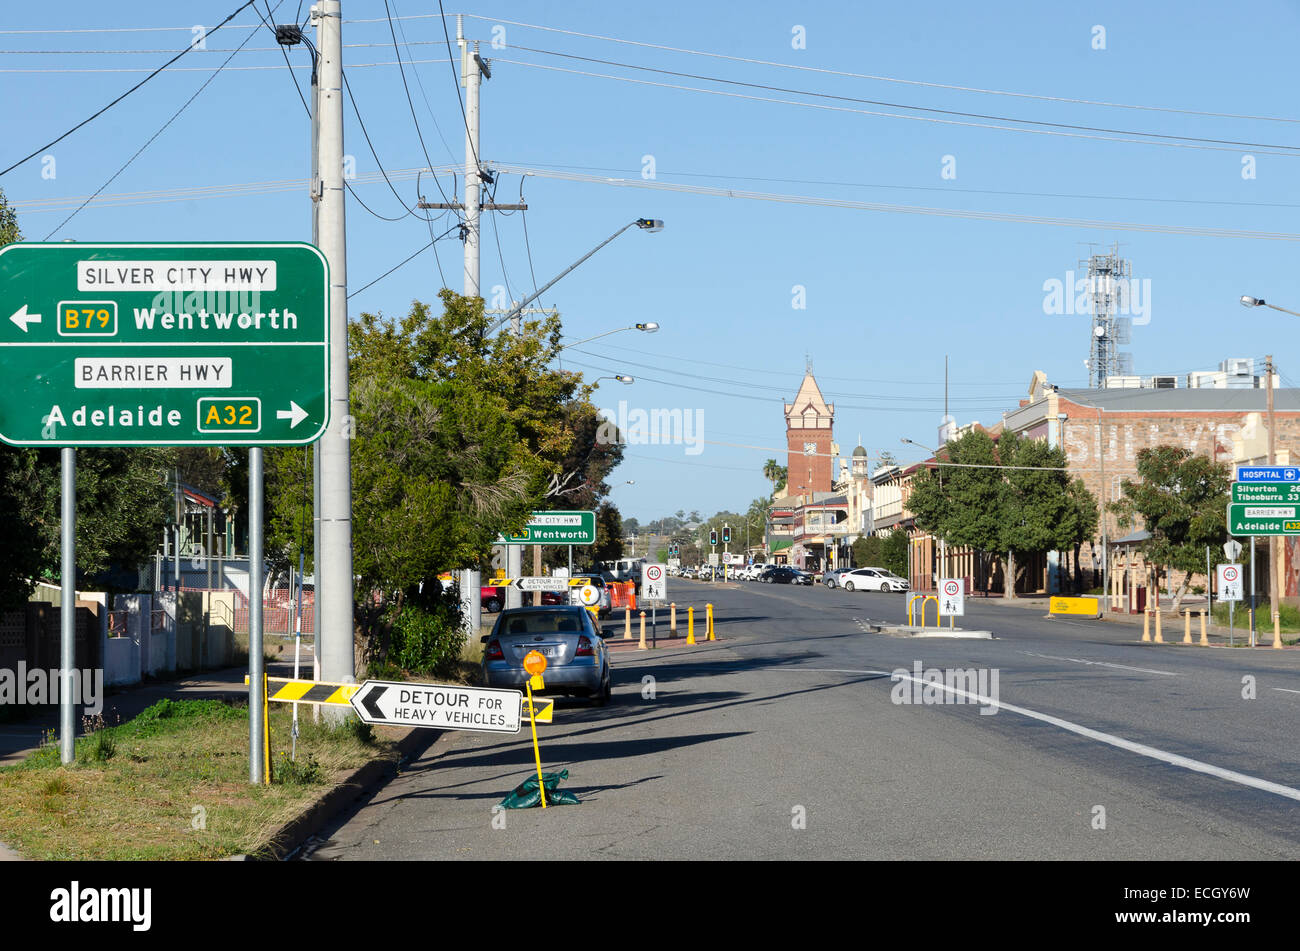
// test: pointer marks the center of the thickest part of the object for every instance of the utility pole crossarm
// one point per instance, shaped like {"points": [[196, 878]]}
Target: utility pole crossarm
{"points": [[486, 206]]}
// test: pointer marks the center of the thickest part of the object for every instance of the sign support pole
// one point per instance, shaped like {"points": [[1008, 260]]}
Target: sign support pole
{"points": [[68, 605], [256, 661]]}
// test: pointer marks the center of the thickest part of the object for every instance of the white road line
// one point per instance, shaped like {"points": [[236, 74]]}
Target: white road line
{"points": [[1151, 752], [1102, 663], [1285, 690]]}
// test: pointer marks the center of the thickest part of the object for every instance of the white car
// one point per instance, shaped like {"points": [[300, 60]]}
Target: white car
{"points": [[871, 579]]}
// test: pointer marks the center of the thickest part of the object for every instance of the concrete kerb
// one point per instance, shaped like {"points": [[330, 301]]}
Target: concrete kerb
{"points": [[294, 834]]}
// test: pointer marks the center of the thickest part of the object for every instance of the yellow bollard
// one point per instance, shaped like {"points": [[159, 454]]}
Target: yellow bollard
{"points": [[672, 619], [1187, 627], [1277, 628], [642, 646], [1146, 625], [708, 610], [627, 623], [1158, 638], [690, 625], [1205, 641]]}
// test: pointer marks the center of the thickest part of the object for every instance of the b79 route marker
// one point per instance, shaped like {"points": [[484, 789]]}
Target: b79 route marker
{"points": [[163, 344]]}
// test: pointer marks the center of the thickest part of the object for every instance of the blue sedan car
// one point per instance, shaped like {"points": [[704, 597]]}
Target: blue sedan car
{"points": [[577, 661]]}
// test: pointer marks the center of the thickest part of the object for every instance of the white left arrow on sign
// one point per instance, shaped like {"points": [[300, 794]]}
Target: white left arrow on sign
{"points": [[295, 414], [24, 319]]}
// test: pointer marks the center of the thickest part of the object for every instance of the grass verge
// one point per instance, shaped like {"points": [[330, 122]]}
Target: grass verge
{"points": [[1290, 618], [172, 783]]}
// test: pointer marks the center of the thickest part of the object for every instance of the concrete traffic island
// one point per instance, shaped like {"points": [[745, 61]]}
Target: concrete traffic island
{"points": [[912, 630]]}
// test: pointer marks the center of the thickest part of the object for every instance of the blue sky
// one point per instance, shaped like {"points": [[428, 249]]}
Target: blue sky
{"points": [[887, 294]]}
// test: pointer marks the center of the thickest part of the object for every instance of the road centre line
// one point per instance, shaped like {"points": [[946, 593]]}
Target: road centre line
{"points": [[1142, 749], [1286, 690], [1102, 663]]}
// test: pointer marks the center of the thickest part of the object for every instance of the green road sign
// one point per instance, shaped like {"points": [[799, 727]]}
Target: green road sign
{"points": [[1252, 519], [163, 344], [556, 528], [1264, 493]]}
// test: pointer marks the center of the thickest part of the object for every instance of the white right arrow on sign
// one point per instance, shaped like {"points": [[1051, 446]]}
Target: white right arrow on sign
{"points": [[295, 414]]}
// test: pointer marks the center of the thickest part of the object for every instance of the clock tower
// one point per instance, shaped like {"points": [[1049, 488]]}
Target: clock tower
{"points": [[808, 423]]}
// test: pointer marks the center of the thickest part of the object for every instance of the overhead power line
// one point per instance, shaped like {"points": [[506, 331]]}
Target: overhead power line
{"points": [[902, 105], [1187, 231], [161, 129], [1059, 133], [883, 79], [104, 109]]}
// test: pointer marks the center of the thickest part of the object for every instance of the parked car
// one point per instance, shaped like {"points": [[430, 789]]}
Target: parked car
{"points": [[492, 599], [834, 579], [872, 579], [784, 574], [577, 661]]}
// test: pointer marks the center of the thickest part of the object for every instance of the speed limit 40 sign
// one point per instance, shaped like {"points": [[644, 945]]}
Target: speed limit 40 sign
{"points": [[654, 584], [1230, 586], [952, 599]]}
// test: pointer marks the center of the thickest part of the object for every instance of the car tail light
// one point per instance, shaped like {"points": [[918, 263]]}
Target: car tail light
{"points": [[494, 651], [584, 647]]}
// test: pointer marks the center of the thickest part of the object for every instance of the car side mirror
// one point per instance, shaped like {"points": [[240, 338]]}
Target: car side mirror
{"points": [[484, 638]]}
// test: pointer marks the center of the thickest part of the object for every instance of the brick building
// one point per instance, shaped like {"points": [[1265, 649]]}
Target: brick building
{"points": [[1102, 431]]}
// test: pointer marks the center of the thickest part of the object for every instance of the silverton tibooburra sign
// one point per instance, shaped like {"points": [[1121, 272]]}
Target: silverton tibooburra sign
{"points": [[163, 344]]}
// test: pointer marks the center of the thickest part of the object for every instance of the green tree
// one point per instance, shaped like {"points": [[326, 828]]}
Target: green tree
{"points": [[1079, 525], [894, 552], [458, 435], [609, 534], [1038, 499], [869, 552], [966, 504], [1179, 497]]}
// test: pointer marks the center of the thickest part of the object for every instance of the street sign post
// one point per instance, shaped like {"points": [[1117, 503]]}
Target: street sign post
{"points": [[444, 707], [1248, 519], [952, 598], [186, 344], [556, 528], [1229, 582]]}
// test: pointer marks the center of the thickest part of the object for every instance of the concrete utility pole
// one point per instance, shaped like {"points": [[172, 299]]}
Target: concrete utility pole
{"points": [[471, 71], [334, 641]]}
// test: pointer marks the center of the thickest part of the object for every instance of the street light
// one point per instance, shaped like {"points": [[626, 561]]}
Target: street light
{"points": [[645, 224], [622, 378], [1247, 301], [644, 328]]}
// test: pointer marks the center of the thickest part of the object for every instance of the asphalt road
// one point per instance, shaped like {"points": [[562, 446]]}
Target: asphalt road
{"points": [[784, 739]]}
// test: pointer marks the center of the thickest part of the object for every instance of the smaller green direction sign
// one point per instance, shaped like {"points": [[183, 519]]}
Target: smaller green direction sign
{"points": [[1265, 493], [556, 528], [1252, 519]]}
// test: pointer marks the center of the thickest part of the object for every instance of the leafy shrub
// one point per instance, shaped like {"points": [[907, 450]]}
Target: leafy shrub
{"points": [[304, 772], [427, 640]]}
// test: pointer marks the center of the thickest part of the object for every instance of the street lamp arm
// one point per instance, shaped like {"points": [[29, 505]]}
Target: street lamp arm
{"points": [[518, 308], [1282, 309], [589, 339]]}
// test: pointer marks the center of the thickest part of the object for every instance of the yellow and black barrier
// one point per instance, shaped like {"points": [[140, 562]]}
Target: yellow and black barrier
{"points": [[287, 690], [1079, 607]]}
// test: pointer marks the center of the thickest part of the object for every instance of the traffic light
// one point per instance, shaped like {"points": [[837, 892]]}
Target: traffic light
{"points": [[713, 537], [726, 534]]}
